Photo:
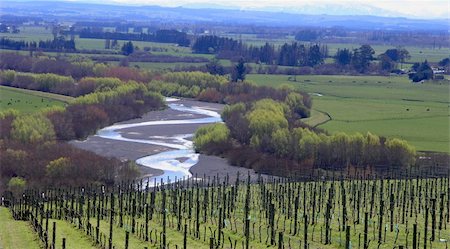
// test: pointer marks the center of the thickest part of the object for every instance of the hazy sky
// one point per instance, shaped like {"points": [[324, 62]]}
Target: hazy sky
{"points": [[416, 8]]}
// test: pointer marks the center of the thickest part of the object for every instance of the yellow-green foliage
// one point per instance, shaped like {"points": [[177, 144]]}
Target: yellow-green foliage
{"points": [[102, 83], [174, 89], [9, 113], [57, 168], [108, 96], [209, 134], [281, 142], [46, 82], [229, 109], [52, 109], [32, 129], [400, 153], [295, 102], [17, 185], [99, 69], [196, 78], [84, 67], [308, 142], [50, 81], [7, 77], [266, 117]]}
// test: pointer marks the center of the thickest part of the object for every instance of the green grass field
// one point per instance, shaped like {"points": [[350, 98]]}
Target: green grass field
{"points": [[418, 53], [388, 106], [16, 234], [28, 101], [35, 33]]}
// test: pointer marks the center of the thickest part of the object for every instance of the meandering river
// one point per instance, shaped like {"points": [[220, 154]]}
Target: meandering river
{"points": [[176, 162]]}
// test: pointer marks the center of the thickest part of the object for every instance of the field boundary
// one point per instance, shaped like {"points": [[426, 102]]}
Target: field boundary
{"points": [[59, 97]]}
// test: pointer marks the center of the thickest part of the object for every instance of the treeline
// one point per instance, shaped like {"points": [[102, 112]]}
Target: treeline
{"points": [[294, 54], [217, 89], [66, 85], [263, 133], [76, 69], [141, 56], [58, 44], [84, 115], [162, 35], [31, 146]]}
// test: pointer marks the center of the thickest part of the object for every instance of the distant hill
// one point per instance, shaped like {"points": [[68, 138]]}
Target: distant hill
{"points": [[88, 11]]}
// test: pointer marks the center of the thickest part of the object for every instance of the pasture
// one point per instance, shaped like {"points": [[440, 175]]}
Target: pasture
{"points": [[28, 101], [387, 106], [16, 234], [35, 33], [418, 53]]}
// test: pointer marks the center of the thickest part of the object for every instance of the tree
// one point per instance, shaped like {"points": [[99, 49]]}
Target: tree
{"points": [[397, 54], [400, 153], [58, 169], [32, 129], [362, 57], [127, 48], [214, 67], [315, 57], [386, 63], [343, 57], [306, 35], [212, 138], [423, 71], [17, 185], [444, 62], [239, 71]]}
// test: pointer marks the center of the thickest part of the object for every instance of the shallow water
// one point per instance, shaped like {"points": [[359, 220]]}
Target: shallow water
{"points": [[175, 163]]}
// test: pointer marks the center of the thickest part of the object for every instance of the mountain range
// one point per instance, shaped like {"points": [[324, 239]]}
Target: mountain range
{"points": [[369, 17]]}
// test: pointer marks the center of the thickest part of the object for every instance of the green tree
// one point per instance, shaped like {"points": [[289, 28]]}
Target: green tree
{"points": [[17, 185], [395, 55], [127, 48], [362, 57], [32, 129], [386, 63], [266, 117], [400, 153], [343, 57], [281, 142], [423, 71], [295, 102], [214, 67], [58, 169], [211, 136], [315, 57], [239, 71]]}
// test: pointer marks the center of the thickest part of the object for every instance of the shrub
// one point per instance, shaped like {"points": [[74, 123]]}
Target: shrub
{"points": [[17, 185], [32, 129], [212, 138]]}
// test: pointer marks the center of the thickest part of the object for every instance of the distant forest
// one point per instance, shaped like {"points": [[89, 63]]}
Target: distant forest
{"points": [[163, 36]]}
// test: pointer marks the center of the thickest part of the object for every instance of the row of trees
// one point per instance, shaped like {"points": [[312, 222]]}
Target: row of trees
{"points": [[80, 68], [42, 82], [162, 35], [294, 54], [110, 77], [58, 44], [258, 130], [216, 88]]}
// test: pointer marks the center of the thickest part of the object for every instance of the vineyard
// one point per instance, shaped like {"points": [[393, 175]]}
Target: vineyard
{"points": [[269, 213]]}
